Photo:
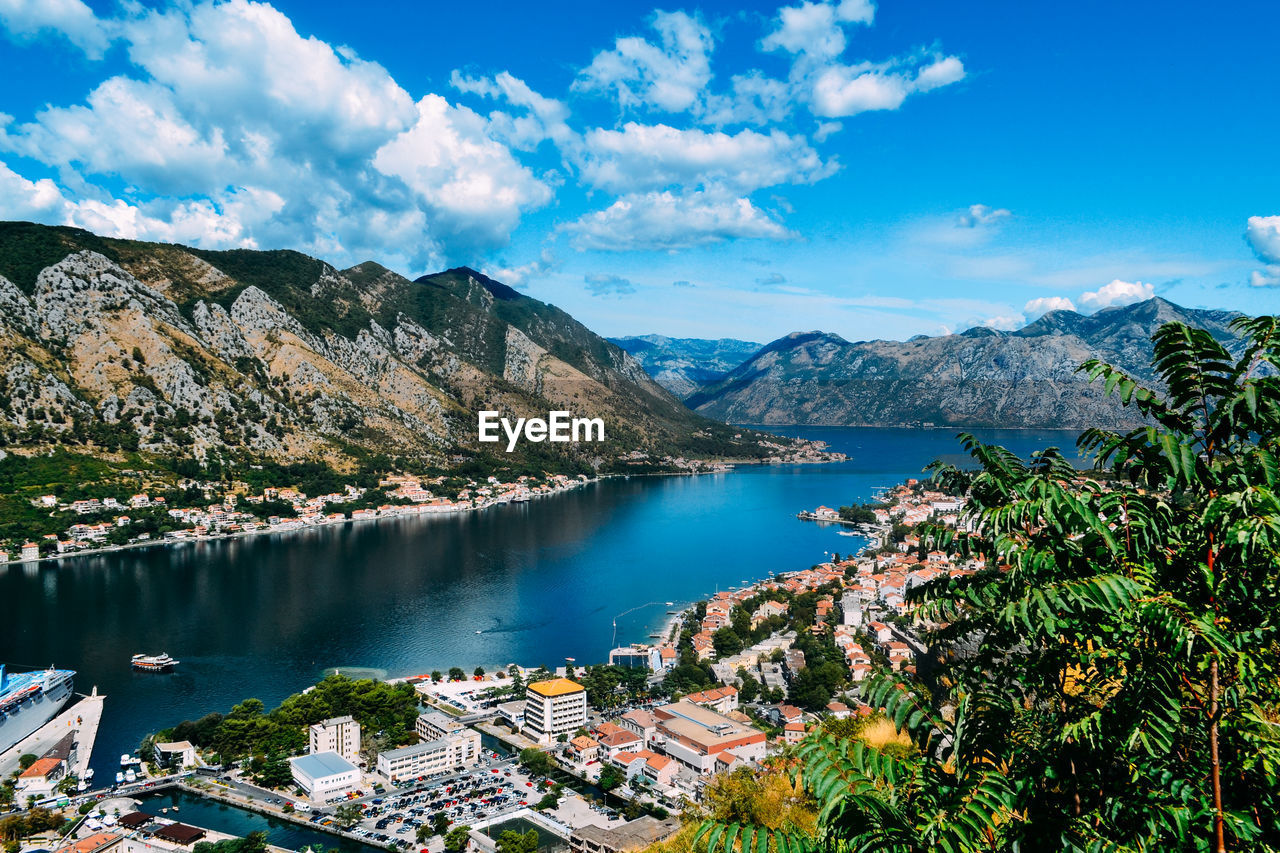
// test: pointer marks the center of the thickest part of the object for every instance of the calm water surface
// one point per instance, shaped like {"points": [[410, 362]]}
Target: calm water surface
{"points": [[527, 583]]}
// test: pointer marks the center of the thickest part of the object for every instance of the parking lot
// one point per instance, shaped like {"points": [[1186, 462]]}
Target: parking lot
{"points": [[495, 788]]}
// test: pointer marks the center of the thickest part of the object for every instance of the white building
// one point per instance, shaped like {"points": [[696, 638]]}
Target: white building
{"points": [[554, 707], [442, 755], [434, 725], [338, 734], [324, 775], [177, 754]]}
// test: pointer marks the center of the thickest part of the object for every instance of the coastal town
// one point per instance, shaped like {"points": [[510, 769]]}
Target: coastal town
{"points": [[602, 758], [201, 509]]}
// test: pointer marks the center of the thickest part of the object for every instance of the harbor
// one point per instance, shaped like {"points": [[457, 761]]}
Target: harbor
{"points": [[80, 719]]}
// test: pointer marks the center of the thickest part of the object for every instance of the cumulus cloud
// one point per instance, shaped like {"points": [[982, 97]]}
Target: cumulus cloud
{"points": [[640, 157], [839, 91], [309, 145], [981, 215], [668, 75], [1116, 293], [543, 118], [25, 19], [1042, 305], [608, 285], [667, 221], [1263, 236], [471, 185]]}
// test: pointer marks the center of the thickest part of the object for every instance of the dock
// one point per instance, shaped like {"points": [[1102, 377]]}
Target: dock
{"points": [[82, 717]]}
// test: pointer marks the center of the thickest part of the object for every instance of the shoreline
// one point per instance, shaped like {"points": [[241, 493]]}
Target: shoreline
{"points": [[718, 467]]}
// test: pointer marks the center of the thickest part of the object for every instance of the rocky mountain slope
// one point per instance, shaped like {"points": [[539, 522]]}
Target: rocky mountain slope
{"points": [[118, 345], [682, 365], [980, 377]]}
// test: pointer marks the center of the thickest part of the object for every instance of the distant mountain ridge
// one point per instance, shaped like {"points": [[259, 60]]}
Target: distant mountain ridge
{"points": [[120, 345], [977, 378], [683, 365]]}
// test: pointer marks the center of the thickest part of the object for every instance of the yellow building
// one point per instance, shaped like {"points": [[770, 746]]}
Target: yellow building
{"points": [[554, 707]]}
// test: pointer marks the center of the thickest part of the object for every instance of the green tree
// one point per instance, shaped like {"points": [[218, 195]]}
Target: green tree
{"points": [[1116, 683], [440, 823], [456, 673], [610, 778], [478, 672], [456, 840], [726, 642], [26, 760], [536, 761], [511, 841]]}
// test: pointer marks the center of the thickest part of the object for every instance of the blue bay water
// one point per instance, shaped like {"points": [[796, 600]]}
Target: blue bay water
{"points": [[528, 583]]}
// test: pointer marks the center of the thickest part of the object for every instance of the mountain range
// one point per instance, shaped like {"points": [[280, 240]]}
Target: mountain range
{"points": [[682, 365], [119, 345], [978, 378]]}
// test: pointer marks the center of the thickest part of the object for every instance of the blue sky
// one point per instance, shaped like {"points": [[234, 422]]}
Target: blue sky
{"points": [[874, 169]]}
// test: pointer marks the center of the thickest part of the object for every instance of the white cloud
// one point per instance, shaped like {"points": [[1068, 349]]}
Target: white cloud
{"points": [[981, 215], [810, 28], [1116, 293], [1004, 323], [132, 129], [1263, 236], [471, 187], [1268, 276], [667, 221], [856, 11], [221, 223], [669, 75], [1042, 305], [544, 118], [25, 19], [641, 157], [772, 280], [845, 90], [519, 276], [753, 99], [608, 285], [284, 140]]}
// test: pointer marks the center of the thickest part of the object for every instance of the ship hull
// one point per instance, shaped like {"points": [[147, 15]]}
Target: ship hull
{"points": [[20, 721]]}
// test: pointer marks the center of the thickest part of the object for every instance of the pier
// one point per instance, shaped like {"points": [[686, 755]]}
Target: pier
{"points": [[81, 717]]}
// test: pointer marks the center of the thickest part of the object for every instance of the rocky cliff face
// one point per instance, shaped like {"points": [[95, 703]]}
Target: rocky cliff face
{"points": [[1018, 379], [683, 365], [115, 344]]}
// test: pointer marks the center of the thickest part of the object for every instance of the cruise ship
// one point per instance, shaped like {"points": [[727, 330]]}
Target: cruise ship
{"points": [[28, 700]]}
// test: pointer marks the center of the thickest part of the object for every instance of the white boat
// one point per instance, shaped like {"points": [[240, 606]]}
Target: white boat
{"points": [[130, 776], [847, 533], [125, 759], [153, 663], [119, 778], [88, 774]]}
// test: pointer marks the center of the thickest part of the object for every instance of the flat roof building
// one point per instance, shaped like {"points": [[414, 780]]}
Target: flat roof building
{"points": [[554, 707], [441, 755], [324, 775], [694, 736]]}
